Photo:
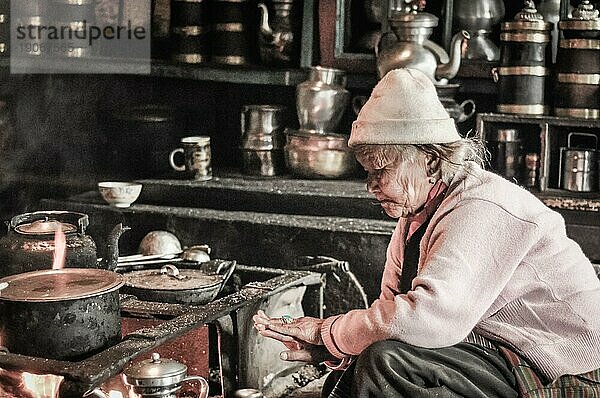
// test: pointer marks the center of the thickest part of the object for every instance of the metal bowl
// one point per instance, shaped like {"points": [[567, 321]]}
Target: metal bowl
{"points": [[314, 155], [159, 243]]}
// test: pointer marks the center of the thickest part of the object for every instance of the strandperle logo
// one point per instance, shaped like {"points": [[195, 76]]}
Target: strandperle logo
{"points": [[78, 36], [83, 31]]}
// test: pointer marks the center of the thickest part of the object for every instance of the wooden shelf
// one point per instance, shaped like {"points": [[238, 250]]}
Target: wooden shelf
{"points": [[161, 68]]}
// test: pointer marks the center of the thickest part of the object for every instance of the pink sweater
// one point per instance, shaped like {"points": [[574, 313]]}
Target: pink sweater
{"points": [[494, 259]]}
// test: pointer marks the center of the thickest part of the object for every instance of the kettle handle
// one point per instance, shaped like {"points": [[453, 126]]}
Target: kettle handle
{"points": [[466, 116], [379, 40], [582, 134], [203, 385]]}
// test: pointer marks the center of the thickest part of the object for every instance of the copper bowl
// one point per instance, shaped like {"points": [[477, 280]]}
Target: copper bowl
{"points": [[314, 155]]}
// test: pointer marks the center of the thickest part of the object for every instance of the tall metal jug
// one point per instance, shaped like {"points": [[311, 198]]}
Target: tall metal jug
{"points": [[322, 100]]}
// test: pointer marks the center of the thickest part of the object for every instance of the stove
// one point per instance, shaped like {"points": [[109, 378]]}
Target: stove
{"points": [[231, 357]]}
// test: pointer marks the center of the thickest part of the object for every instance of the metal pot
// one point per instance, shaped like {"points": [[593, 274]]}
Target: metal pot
{"points": [[160, 378], [262, 139], [506, 156], [63, 314], [180, 286], [29, 244], [579, 167], [313, 155]]}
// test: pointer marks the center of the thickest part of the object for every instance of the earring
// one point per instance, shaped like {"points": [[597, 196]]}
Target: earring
{"points": [[432, 180]]}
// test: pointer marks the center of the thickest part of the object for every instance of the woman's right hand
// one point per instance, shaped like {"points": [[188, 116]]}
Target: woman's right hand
{"points": [[302, 337]]}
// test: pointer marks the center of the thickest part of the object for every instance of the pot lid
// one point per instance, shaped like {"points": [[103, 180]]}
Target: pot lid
{"points": [[45, 227], [528, 19], [585, 17], [155, 372], [413, 19], [585, 11], [59, 285], [171, 278]]}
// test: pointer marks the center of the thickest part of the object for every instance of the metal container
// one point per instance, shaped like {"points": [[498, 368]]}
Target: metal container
{"points": [[66, 314], [479, 19], [505, 151], [230, 32], [523, 75], [30, 244], [190, 30], [579, 167], [78, 15], [523, 89], [160, 378], [577, 92], [322, 99], [585, 22], [313, 155], [263, 140], [279, 33]]}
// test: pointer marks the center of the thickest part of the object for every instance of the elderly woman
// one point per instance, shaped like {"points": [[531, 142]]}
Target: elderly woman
{"points": [[483, 294]]}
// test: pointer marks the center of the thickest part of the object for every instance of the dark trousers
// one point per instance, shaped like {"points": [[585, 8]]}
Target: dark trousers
{"points": [[394, 369]]}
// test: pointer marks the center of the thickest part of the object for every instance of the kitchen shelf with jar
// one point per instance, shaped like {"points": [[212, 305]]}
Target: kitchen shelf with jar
{"points": [[547, 136]]}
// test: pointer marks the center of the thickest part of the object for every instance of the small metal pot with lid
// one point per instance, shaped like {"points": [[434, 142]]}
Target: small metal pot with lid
{"points": [[579, 166], [160, 378]]}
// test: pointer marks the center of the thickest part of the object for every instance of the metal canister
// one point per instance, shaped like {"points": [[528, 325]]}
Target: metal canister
{"points": [[523, 75], [263, 139], [579, 166], [506, 155], [577, 91], [190, 29], [230, 29], [77, 15]]}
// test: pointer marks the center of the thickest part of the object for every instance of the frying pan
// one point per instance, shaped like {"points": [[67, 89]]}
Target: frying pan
{"points": [[173, 285]]}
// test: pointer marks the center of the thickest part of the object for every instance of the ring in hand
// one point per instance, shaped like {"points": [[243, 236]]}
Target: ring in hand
{"points": [[287, 319]]}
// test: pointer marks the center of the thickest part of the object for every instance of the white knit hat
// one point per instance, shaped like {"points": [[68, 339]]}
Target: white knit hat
{"points": [[403, 109]]}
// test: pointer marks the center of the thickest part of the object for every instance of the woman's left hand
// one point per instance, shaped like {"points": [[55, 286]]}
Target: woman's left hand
{"points": [[302, 337]]}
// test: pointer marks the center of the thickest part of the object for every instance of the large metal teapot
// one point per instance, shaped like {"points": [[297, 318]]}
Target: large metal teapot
{"points": [[30, 243], [413, 49]]}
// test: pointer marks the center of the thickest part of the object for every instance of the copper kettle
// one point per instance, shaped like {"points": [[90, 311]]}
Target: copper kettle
{"points": [[29, 244]]}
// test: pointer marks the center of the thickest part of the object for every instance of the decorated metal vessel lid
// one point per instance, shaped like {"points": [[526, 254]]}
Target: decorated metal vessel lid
{"points": [[584, 17], [59, 285], [528, 19], [412, 18], [155, 372]]}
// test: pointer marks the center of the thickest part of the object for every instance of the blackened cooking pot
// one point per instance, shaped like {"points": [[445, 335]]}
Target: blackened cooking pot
{"points": [[180, 286], [66, 314]]}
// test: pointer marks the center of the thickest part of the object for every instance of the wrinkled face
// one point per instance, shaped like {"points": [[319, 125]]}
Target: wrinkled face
{"points": [[400, 186]]}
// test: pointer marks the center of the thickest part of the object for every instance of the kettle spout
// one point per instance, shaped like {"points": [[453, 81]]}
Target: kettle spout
{"points": [[265, 29], [111, 259], [450, 69]]}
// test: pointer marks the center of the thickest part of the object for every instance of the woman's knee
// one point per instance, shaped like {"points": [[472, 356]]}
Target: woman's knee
{"points": [[383, 354]]}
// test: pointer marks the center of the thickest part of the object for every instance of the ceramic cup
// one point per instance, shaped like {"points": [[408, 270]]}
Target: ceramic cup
{"points": [[196, 156]]}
